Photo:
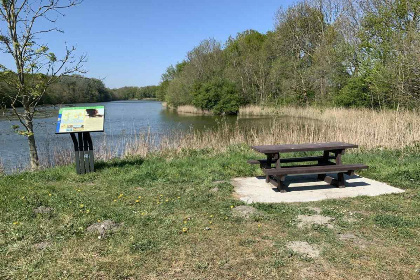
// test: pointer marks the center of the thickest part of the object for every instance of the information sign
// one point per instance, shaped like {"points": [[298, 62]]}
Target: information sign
{"points": [[81, 119]]}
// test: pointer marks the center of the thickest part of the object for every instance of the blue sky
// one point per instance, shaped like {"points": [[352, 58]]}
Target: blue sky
{"points": [[131, 43]]}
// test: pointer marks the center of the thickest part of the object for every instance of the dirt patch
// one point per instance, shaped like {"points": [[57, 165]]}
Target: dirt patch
{"points": [[215, 189], [351, 238], [103, 227], [308, 273], [244, 211], [42, 245], [43, 210], [303, 248], [307, 221]]}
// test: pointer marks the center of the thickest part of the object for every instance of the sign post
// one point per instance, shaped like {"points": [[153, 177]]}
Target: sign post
{"points": [[81, 120]]}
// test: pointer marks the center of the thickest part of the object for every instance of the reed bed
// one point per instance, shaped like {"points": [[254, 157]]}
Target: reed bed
{"points": [[188, 109], [368, 128]]}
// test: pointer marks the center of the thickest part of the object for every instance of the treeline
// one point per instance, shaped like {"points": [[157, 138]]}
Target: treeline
{"points": [[362, 53], [126, 93], [79, 89]]}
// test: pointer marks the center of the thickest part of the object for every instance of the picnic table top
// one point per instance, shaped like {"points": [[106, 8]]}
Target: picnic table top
{"points": [[287, 148]]}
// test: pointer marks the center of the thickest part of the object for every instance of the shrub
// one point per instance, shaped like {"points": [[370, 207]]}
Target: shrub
{"points": [[355, 94], [219, 96]]}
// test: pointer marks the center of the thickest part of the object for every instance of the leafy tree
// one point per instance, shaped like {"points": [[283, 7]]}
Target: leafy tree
{"points": [[36, 66], [354, 94], [219, 96], [390, 42], [247, 64], [338, 52]]}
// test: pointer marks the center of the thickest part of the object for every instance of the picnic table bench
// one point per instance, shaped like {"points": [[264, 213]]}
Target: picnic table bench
{"points": [[331, 151]]}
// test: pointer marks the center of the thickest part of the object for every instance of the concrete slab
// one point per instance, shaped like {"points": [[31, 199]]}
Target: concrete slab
{"points": [[305, 188]]}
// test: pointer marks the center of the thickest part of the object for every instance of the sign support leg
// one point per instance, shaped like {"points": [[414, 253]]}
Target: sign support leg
{"points": [[81, 153], [76, 153], [90, 152]]}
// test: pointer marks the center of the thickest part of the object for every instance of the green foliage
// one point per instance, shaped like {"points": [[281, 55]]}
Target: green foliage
{"points": [[126, 93], [354, 94], [358, 56], [75, 89], [221, 97], [387, 221], [390, 40]]}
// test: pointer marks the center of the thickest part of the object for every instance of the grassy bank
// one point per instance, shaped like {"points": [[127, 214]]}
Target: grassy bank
{"points": [[174, 224]]}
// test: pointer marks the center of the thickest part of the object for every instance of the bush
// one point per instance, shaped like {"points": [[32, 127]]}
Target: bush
{"points": [[219, 96], [355, 94]]}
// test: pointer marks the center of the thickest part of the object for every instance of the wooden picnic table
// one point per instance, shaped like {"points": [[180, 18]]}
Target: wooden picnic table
{"points": [[331, 151]]}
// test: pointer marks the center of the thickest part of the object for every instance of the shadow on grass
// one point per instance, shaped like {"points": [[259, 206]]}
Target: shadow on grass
{"points": [[101, 165]]}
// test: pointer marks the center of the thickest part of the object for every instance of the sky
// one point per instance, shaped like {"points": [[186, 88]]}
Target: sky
{"points": [[132, 42]]}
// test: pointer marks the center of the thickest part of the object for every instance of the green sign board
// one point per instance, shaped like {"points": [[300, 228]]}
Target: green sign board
{"points": [[81, 119]]}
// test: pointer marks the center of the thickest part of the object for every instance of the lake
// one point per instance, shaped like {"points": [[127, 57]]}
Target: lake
{"points": [[124, 120]]}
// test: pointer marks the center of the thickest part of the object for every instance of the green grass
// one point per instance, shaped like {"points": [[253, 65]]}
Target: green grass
{"points": [[150, 242]]}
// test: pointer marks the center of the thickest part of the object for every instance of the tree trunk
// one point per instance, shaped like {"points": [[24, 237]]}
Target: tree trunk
{"points": [[33, 152]]}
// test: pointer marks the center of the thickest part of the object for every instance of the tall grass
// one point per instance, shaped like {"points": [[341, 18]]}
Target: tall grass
{"points": [[188, 110], [368, 128]]}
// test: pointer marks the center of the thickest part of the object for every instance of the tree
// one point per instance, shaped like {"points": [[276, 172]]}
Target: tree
{"points": [[390, 44], [247, 64], [36, 67], [299, 33]]}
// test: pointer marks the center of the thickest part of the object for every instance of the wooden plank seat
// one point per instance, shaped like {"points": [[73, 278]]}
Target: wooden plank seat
{"points": [[277, 175], [263, 162]]}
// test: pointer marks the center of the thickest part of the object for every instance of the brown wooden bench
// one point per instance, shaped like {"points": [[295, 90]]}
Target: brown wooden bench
{"points": [[263, 162], [279, 175], [276, 174]]}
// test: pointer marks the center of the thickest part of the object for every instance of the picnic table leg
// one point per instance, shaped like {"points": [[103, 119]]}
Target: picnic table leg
{"points": [[324, 161], [269, 159], [338, 156], [278, 182], [340, 181], [282, 187]]}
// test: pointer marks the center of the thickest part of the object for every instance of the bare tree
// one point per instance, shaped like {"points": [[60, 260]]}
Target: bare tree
{"points": [[36, 67]]}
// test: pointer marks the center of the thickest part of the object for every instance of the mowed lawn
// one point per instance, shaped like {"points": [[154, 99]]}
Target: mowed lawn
{"points": [[174, 219]]}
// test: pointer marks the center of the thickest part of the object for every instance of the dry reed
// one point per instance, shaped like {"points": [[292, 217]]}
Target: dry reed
{"points": [[187, 110], [368, 128], [191, 110]]}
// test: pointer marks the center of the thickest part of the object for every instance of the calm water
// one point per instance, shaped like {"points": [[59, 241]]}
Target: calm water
{"points": [[123, 120]]}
